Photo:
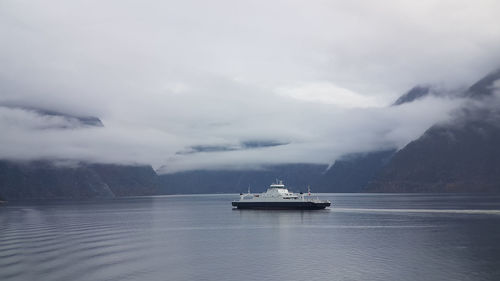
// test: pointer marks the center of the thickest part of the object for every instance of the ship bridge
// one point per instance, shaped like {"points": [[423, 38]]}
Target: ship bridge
{"points": [[278, 184], [278, 190]]}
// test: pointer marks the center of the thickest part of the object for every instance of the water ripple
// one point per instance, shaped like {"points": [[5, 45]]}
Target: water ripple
{"points": [[444, 211], [165, 240]]}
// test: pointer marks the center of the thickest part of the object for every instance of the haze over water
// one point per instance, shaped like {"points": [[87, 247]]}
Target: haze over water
{"points": [[363, 237]]}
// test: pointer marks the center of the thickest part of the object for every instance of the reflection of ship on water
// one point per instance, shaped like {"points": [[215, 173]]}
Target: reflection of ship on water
{"points": [[279, 198]]}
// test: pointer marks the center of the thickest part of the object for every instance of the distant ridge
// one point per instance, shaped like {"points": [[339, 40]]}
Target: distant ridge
{"points": [[296, 177], [37, 180], [413, 94], [81, 120], [485, 86], [458, 156], [353, 172]]}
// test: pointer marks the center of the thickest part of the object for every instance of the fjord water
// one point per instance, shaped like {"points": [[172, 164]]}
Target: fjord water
{"points": [[362, 237]]}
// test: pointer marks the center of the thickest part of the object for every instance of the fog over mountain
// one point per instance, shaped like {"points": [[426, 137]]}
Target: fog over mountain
{"points": [[461, 155], [188, 85]]}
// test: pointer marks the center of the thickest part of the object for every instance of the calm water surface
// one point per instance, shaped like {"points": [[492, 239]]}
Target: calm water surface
{"points": [[363, 237]]}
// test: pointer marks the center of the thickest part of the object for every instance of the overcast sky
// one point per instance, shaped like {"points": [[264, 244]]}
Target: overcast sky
{"points": [[316, 77]]}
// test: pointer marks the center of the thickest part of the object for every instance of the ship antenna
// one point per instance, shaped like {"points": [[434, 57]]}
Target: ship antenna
{"points": [[248, 189]]}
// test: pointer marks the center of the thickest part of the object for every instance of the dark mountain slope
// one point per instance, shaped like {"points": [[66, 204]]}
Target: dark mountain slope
{"points": [[447, 158], [295, 176], [485, 86], [353, 172], [460, 156], [128, 180], [73, 120], [415, 93], [44, 180]]}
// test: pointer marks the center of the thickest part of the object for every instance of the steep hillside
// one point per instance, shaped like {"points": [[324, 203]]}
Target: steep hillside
{"points": [[128, 180], [46, 180], [459, 156], [353, 172]]}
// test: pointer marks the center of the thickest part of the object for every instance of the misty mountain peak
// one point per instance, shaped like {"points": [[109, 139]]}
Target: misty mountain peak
{"points": [[485, 86], [75, 120], [415, 93]]}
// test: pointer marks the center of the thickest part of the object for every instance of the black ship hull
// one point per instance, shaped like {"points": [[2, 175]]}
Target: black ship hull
{"points": [[299, 205]]}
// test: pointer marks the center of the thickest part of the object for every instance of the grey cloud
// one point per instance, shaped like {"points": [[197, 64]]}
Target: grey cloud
{"points": [[166, 76]]}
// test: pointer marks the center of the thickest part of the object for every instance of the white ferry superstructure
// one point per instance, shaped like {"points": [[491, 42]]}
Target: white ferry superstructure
{"points": [[278, 197]]}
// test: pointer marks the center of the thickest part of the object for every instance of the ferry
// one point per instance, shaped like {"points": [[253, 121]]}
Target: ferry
{"points": [[277, 197]]}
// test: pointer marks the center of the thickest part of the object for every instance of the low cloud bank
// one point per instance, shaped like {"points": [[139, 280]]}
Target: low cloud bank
{"points": [[294, 133], [185, 84]]}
